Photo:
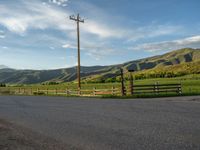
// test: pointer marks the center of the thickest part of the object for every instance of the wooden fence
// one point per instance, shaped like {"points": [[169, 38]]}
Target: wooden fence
{"points": [[64, 92], [137, 90], [157, 88]]}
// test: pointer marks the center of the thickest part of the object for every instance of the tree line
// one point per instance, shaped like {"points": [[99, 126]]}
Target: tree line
{"points": [[2, 85], [139, 76]]}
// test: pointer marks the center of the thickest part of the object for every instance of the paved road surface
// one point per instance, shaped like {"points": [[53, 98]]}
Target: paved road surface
{"points": [[99, 124]]}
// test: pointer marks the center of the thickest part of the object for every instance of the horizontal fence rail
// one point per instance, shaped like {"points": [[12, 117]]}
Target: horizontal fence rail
{"points": [[67, 92], [157, 88]]}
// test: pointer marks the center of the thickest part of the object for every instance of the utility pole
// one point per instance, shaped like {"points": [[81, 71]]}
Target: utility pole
{"points": [[78, 20]]}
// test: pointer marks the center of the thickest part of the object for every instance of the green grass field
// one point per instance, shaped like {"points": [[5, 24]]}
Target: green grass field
{"points": [[190, 84]]}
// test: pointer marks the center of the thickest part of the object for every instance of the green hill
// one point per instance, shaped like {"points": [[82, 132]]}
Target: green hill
{"points": [[175, 63]]}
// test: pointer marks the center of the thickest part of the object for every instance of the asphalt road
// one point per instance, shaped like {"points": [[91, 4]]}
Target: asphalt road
{"points": [[104, 124]]}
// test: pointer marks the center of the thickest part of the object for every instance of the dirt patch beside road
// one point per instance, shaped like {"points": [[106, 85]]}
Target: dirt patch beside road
{"points": [[13, 137]]}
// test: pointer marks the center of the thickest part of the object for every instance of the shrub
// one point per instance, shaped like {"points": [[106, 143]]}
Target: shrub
{"points": [[38, 93], [6, 92]]}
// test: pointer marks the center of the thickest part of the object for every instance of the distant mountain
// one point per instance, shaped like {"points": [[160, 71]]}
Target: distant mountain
{"points": [[179, 62], [3, 67], [39, 76]]}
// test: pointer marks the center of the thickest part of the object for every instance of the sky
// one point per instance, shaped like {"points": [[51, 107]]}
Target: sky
{"points": [[38, 34]]}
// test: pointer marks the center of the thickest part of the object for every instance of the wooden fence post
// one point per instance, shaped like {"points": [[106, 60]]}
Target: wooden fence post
{"points": [[94, 91], [156, 87], [67, 91], [180, 89], [79, 92], [113, 90], [131, 84]]}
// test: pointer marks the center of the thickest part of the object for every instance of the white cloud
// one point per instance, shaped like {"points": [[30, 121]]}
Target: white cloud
{"points": [[102, 30], [100, 53], [2, 34], [5, 47], [15, 25], [64, 5], [59, 2], [62, 58], [52, 48], [192, 42], [153, 30], [44, 3], [69, 46], [35, 15], [96, 52]]}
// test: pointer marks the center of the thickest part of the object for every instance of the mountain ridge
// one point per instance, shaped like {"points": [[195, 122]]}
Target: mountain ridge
{"points": [[95, 73], [3, 67]]}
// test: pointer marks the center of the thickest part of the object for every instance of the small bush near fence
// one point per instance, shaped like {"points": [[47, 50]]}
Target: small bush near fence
{"points": [[38, 93], [2, 85]]}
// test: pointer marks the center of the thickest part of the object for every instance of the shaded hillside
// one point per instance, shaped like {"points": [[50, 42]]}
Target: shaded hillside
{"points": [[171, 62], [172, 58]]}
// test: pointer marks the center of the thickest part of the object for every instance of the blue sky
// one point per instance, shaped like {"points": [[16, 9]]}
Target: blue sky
{"points": [[37, 34]]}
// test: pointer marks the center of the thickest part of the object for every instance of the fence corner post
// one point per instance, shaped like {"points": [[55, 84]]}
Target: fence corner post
{"points": [[156, 88], [66, 91]]}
